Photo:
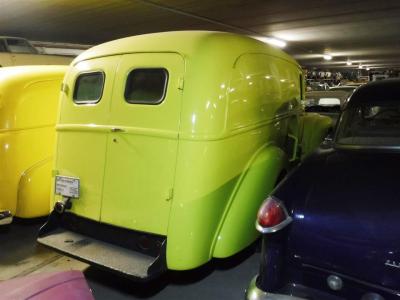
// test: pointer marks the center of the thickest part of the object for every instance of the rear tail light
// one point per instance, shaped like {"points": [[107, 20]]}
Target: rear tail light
{"points": [[272, 216]]}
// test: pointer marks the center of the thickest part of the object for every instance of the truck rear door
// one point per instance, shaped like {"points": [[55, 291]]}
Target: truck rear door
{"points": [[83, 130], [142, 145]]}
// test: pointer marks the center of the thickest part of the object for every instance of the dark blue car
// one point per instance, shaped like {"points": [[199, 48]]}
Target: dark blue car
{"points": [[331, 228]]}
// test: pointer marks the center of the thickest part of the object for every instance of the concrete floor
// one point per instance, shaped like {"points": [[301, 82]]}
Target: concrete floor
{"points": [[20, 255]]}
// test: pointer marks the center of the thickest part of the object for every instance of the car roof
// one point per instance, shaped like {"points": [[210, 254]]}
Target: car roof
{"points": [[383, 90]]}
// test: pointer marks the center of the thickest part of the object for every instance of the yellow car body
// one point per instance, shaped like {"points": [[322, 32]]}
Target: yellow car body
{"points": [[29, 99]]}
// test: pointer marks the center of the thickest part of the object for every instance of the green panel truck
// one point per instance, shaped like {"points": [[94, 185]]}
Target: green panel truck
{"points": [[167, 144]]}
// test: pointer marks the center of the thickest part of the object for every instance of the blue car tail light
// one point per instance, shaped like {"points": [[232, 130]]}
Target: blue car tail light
{"points": [[272, 216]]}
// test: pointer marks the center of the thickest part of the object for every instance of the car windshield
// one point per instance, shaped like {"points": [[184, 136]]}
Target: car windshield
{"points": [[370, 124], [20, 46]]}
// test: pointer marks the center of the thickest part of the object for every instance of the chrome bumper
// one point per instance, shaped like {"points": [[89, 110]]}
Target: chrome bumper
{"points": [[5, 217], [254, 293]]}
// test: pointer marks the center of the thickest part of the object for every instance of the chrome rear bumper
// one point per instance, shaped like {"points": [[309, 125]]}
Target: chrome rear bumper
{"points": [[5, 217], [254, 293]]}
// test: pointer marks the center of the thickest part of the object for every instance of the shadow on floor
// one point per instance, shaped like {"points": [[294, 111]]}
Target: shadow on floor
{"points": [[19, 240], [176, 278]]}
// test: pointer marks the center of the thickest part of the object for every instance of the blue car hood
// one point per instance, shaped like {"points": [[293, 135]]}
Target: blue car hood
{"points": [[347, 216]]}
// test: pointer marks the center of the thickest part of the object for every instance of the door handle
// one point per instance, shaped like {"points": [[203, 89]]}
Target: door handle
{"points": [[114, 129]]}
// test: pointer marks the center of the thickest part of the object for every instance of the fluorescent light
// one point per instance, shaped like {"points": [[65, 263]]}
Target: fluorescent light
{"points": [[349, 63], [276, 42], [327, 57], [367, 69], [360, 66], [272, 41]]}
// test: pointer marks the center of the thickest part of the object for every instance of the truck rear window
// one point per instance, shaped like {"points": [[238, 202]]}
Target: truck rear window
{"points": [[146, 86], [89, 88]]}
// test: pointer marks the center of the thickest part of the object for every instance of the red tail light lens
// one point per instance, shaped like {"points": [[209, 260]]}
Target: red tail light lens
{"points": [[272, 216]]}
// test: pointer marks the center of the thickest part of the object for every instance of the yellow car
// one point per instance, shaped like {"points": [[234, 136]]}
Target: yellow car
{"points": [[28, 111]]}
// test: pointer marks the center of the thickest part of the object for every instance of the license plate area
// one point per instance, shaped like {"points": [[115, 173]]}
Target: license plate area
{"points": [[67, 186]]}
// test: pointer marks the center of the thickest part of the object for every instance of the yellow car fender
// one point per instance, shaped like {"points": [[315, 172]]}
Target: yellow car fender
{"points": [[33, 188]]}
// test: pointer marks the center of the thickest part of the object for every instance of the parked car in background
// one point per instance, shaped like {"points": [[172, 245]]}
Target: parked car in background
{"points": [[168, 143], [28, 111], [346, 88], [376, 77], [355, 83], [327, 103], [317, 86], [18, 51], [331, 228], [317, 97]]}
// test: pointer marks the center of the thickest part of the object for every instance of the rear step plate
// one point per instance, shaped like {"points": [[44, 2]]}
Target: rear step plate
{"points": [[99, 253]]}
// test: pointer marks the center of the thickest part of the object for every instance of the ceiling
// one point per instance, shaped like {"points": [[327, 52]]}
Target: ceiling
{"points": [[365, 32]]}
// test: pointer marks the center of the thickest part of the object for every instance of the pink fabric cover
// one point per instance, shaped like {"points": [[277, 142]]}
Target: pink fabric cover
{"points": [[68, 285]]}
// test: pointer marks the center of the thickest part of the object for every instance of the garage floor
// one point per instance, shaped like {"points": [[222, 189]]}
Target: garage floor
{"points": [[220, 279]]}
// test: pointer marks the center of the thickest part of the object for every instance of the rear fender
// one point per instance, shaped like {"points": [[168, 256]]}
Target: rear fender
{"points": [[315, 129], [237, 230], [34, 190]]}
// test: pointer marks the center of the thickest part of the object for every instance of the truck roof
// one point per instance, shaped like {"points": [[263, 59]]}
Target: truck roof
{"points": [[186, 43]]}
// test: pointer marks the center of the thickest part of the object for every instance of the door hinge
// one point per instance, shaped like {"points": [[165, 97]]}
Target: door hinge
{"points": [[170, 194], [181, 83]]}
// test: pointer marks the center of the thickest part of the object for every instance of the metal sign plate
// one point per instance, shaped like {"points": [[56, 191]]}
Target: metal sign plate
{"points": [[67, 186]]}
